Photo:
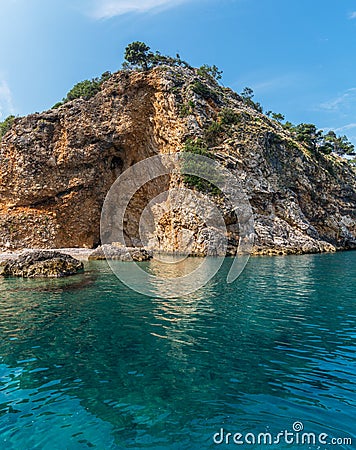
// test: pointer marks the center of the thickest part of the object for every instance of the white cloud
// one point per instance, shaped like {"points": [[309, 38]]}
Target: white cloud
{"points": [[347, 127], [352, 15], [104, 9], [273, 84], [266, 83], [342, 101], [6, 103]]}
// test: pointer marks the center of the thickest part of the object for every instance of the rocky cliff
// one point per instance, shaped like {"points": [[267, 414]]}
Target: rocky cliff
{"points": [[56, 167]]}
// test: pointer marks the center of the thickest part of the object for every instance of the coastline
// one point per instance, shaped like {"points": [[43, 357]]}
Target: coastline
{"points": [[83, 254]]}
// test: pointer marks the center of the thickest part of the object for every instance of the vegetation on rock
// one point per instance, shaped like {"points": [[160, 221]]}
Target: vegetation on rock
{"points": [[302, 200], [202, 90], [202, 166], [210, 72], [247, 96], [138, 56], [6, 125], [85, 89]]}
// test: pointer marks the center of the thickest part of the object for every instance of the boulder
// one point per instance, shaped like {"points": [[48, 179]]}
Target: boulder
{"points": [[37, 264], [118, 253]]}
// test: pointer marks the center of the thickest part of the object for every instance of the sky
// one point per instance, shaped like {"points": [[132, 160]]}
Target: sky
{"points": [[297, 55]]}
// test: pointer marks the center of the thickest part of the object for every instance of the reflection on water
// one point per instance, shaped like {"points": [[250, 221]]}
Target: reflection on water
{"points": [[165, 279], [85, 362], [173, 266]]}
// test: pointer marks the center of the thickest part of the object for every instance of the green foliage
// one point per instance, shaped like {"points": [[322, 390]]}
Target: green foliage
{"points": [[6, 125], [257, 106], [315, 140], [84, 89], [213, 132], [278, 116], [159, 60], [338, 144], [308, 134], [197, 146], [187, 109], [228, 116], [247, 96], [210, 72], [215, 128], [288, 126], [138, 55], [202, 90], [189, 163]]}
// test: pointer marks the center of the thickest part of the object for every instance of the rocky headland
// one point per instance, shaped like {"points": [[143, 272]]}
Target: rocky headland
{"points": [[56, 168]]}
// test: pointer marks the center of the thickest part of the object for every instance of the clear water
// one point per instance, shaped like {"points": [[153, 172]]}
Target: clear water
{"points": [[87, 363]]}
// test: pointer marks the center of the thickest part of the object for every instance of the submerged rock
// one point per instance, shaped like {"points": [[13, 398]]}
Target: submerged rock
{"points": [[114, 252], [37, 264]]}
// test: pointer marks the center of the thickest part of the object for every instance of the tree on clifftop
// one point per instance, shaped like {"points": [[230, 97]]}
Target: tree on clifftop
{"points": [[138, 54]]}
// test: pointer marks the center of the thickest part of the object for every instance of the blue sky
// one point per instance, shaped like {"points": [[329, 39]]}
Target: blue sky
{"points": [[297, 55]]}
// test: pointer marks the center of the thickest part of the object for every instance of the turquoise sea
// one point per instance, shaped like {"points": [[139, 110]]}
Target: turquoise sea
{"points": [[87, 363]]}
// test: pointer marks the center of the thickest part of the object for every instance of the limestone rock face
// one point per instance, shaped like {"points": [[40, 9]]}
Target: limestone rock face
{"points": [[56, 168], [41, 264]]}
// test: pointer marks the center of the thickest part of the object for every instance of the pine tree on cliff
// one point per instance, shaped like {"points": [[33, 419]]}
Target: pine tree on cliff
{"points": [[138, 54]]}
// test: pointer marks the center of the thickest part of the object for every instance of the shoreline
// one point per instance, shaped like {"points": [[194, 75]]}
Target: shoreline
{"points": [[82, 254]]}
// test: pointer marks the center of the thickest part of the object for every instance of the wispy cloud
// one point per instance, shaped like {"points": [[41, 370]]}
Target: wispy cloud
{"points": [[6, 103], [105, 9], [273, 84], [352, 15], [347, 127], [262, 84], [342, 101]]}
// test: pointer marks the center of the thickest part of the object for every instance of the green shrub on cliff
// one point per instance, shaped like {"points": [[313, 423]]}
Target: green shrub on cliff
{"points": [[320, 142], [6, 125], [187, 109], [338, 144], [226, 119], [203, 90], [191, 164], [85, 89], [228, 116], [247, 96], [210, 72], [138, 56]]}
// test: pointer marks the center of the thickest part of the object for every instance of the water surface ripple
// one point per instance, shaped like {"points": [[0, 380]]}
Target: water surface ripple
{"points": [[87, 363]]}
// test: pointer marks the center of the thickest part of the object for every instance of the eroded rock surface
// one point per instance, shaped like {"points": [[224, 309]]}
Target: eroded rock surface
{"points": [[118, 253], [40, 264], [57, 167]]}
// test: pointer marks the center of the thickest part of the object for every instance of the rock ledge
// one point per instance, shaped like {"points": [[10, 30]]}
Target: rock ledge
{"points": [[118, 253], [37, 264]]}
